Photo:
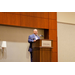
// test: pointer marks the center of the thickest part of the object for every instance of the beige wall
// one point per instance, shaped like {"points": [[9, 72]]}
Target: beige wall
{"points": [[66, 43], [17, 34], [66, 17], [17, 43], [66, 36], [15, 52]]}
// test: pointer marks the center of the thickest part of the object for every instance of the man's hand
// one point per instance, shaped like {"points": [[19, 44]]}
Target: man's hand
{"points": [[34, 40]]}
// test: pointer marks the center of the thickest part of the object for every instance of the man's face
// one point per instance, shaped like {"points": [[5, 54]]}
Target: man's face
{"points": [[35, 32]]}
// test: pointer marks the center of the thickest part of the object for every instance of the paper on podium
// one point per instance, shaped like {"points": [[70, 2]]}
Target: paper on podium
{"points": [[3, 43]]}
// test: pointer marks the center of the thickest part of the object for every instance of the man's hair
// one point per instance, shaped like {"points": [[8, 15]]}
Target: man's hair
{"points": [[35, 30]]}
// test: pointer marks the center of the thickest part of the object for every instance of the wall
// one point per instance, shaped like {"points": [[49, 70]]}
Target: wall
{"points": [[66, 36], [66, 17], [25, 19], [66, 42], [17, 43], [15, 52], [17, 34]]}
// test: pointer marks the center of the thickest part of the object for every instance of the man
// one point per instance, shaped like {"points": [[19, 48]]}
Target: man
{"points": [[32, 38]]}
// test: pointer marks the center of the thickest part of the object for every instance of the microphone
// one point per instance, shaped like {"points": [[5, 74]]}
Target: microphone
{"points": [[41, 35]]}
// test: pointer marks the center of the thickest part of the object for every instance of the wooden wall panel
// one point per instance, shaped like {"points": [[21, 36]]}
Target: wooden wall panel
{"points": [[25, 13], [32, 14], [36, 14], [54, 46], [28, 21], [44, 23], [53, 15], [52, 24], [34, 22], [53, 35], [24, 21], [41, 14], [1, 16], [10, 19], [40, 23], [44, 14], [6, 19], [54, 57], [15, 19]]}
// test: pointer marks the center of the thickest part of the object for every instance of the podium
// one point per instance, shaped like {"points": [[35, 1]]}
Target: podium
{"points": [[42, 50]]}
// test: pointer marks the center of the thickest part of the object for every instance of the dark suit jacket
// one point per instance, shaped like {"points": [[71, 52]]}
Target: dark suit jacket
{"points": [[31, 39]]}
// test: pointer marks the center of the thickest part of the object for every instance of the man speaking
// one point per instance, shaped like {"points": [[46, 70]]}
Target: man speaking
{"points": [[32, 38]]}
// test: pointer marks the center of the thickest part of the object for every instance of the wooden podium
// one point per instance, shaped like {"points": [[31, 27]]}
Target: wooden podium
{"points": [[42, 50]]}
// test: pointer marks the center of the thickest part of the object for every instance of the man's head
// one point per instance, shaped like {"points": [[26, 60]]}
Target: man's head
{"points": [[35, 31]]}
